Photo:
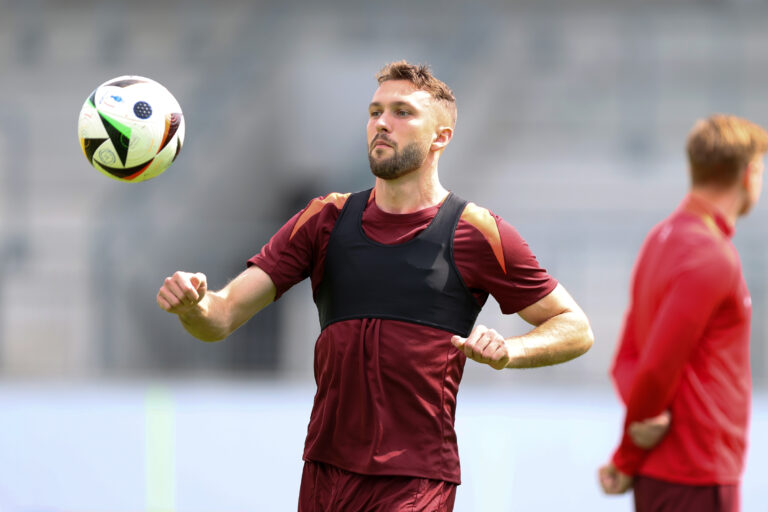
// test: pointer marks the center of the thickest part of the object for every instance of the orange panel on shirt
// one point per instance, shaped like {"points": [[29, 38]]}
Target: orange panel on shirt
{"points": [[316, 205], [484, 222]]}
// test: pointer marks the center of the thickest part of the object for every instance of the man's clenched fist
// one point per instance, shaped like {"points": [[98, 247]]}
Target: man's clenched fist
{"points": [[182, 291], [485, 346]]}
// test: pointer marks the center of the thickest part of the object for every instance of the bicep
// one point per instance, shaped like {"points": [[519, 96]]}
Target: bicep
{"points": [[557, 302]]}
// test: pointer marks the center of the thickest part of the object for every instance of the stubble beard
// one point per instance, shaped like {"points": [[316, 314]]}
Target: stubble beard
{"points": [[400, 163]]}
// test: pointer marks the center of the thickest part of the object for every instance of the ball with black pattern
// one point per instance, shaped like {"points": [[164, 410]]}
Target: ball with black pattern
{"points": [[142, 110], [131, 128]]}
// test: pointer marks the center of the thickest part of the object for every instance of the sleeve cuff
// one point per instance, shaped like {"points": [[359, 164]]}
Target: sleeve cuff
{"points": [[628, 458]]}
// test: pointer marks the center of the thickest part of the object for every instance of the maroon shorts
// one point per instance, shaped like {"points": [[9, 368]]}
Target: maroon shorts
{"points": [[326, 488], [652, 495]]}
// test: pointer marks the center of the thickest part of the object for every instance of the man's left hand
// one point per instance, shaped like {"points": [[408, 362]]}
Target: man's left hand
{"points": [[647, 434], [485, 346]]}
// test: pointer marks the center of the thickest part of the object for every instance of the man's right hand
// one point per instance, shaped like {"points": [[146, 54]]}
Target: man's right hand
{"points": [[648, 433], [613, 481], [182, 291]]}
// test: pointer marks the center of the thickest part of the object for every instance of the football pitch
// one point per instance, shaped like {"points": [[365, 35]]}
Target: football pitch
{"points": [[219, 446]]}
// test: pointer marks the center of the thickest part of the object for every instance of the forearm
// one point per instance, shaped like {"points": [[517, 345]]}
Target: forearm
{"points": [[557, 340], [209, 319], [669, 345], [219, 314]]}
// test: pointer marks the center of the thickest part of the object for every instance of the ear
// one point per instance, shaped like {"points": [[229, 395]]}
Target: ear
{"points": [[746, 176], [751, 174], [442, 138]]}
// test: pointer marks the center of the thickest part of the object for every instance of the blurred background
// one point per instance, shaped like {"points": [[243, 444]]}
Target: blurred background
{"points": [[572, 122]]}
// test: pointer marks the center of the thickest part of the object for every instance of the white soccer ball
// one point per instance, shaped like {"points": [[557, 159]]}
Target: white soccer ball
{"points": [[131, 128]]}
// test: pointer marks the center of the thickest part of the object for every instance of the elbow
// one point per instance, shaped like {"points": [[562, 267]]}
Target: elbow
{"points": [[581, 339], [573, 342], [576, 334], [587, 337]]}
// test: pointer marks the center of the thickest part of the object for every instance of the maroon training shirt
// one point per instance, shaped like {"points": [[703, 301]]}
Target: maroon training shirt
{"points": [[386, 389]]}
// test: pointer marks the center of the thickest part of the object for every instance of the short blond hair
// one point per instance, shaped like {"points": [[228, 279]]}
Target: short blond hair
{"points": [[422, 78], [721, 146]]}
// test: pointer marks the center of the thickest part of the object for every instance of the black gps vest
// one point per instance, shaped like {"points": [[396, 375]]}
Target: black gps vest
{"points": [[414, 281]]}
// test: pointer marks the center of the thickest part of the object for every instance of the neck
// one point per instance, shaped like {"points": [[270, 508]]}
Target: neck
{"points": [[410, 193], [729, 202]]}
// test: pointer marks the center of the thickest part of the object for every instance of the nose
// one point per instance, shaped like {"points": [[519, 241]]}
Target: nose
{"points": [[382, 123]]}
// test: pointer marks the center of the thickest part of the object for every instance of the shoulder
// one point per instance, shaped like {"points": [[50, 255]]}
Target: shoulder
{"points": [[700, 237], [327, 206], [492, 256], [483, 228], [334, 199], [480, 218], [693, 245], [482, 222], [489, 225]]}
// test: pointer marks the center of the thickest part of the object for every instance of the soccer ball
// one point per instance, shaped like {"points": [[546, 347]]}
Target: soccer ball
{"points": [[131, 128]]}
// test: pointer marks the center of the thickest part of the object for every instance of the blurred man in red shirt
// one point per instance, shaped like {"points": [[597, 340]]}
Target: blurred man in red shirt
{"points": [[682, 365]]}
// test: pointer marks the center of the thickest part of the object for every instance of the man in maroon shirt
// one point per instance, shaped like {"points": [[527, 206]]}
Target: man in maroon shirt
{"points": [[398, 274], [682, 365]]}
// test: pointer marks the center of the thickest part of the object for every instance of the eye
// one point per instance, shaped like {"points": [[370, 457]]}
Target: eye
{"points": [[402, 113], [374, 113]]}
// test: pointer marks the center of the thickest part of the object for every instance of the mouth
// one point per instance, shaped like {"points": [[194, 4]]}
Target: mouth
{"points": [[381, 143]]}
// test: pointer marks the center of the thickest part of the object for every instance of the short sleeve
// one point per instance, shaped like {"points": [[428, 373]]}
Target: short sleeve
{"points": [[297, 250], [494, 259]]}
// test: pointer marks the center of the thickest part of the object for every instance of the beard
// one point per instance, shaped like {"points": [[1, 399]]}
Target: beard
{"points": [[400, 163]]}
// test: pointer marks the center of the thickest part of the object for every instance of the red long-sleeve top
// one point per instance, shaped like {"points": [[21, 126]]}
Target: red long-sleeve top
{"points": [[685, 348]]}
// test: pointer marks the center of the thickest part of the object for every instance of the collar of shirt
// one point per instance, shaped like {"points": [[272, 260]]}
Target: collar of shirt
{"points": [[708, 212]]}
